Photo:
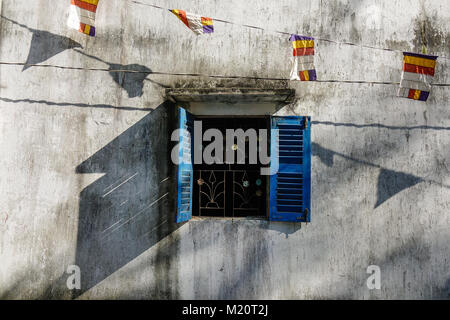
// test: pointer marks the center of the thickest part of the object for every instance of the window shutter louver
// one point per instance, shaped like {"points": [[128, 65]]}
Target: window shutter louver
{"points": [[290, 187], [185, 166]]}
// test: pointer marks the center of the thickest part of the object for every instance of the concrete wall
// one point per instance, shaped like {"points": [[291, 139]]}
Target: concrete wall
{"points": [[85, 176]]}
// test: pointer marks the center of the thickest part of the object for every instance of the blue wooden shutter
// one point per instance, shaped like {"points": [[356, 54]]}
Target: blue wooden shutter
{"points": [[185, 166], [290, 187]]}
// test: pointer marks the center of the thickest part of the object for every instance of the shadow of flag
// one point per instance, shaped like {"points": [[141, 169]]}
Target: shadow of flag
{"points": [[130, 77], [392, 182], [325, 155], [44, 45]]}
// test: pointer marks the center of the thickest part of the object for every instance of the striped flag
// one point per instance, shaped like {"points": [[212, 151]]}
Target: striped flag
{"points": [[82, 16], [417, 75], [303, 58], [194, 22]]}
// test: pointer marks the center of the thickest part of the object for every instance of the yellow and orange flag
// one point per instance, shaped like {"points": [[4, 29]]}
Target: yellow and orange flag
{"points": [[417, 75]]}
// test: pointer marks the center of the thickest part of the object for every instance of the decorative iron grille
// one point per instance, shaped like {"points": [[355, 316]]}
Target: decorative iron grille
{"points": [[230, 193]]}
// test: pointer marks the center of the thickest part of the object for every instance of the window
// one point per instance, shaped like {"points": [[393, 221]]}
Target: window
{"points": [[239, 189], [231, 190]]}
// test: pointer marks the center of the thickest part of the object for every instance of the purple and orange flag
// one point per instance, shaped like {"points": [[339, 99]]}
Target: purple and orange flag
{"points": [[198, 24], [417, 76], [303, 58]]}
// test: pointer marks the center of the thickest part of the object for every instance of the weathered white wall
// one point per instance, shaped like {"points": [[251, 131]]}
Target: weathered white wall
{"points": [[84, 173]]}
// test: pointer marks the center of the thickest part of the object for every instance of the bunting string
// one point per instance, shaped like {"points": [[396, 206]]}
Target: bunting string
{"points": [[305, 63], [289, 33], [201, 75]]}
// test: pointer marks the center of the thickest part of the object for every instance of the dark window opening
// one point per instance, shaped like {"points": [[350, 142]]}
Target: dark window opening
{"points": [[230, 190]]}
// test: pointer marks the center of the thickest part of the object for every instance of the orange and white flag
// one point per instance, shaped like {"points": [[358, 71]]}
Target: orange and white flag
{"points": [[198, 24], [82, 16]]}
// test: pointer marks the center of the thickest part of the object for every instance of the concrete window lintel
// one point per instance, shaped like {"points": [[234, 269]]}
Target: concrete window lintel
{"points": [[231, 95]]}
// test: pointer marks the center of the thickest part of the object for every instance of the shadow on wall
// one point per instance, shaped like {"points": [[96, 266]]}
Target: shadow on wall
{"points": [[444, 291], [132, 206], [73, 104], [129, 77], [413, 254], [390, 182], [44, 45]]}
